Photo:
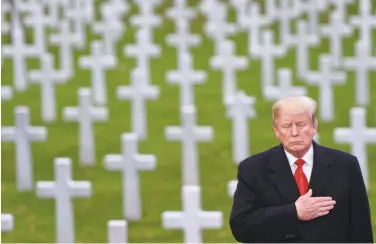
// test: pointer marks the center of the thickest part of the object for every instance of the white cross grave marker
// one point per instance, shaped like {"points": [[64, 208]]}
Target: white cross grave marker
{"points": [[285, 14], [19, 51], [285, 87], [63, 189], [110, 28], [240, 109], [182, 39], [38, 21], [231, 187], [303, 40], [189, 134], [6, 93], [335, 31], [362, 64], [98, 63], [138, 92], [253, 22], [85, 114], [142, 51], [65, 41], [325, 78], [358, 136], [118, 8], [129, 162], [7, 222], [22, 134], [47, 77], [117, 231], [341, 7], [192, 219], [180, 12], [312, 8], [241, 9], [217, 27], [79, 18], [186, 78], [146, 20], [269, 51], [365, 21], [227, 61]]}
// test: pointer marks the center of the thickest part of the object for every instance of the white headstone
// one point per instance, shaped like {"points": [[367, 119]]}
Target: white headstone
{"points": [[98, 63], [325, 78], [358, 136], [241, 9], [6, 93], [192, 220], [138, 92], [78, 17], [285, 87], [38, 21], [335, 30], [240, 109], [63, 190], [118, 8], [365, 21], [268, 52], [227, 61], [117, 231], [86, 114], [19, 51], [340, 6], [285, 15], [231, 187], [53, 9], [129, 162], [146, 20], [47, 77], [180, 12], [7, 223], [253, 22], [362, 64], [182, 39], [217, 27], [186, 77], [189, 134], [22, 134], [110, 28], [65, 41], [303, 41], [142, 51], [313, 8]]}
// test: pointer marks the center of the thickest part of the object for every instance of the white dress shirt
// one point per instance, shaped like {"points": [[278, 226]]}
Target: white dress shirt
{"points": [[307, 166]]}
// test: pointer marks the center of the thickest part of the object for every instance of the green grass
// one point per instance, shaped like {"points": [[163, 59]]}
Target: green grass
{"points": [[34, 218]]}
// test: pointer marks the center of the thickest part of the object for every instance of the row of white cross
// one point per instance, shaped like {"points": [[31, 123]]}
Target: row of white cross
{"points": [[240, 106]]}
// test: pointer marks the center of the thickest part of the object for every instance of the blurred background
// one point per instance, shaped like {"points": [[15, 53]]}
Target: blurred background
{"points": [[30, 32]]}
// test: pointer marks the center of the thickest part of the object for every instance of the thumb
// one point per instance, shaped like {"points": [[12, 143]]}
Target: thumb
{"points": [[309, 193]]}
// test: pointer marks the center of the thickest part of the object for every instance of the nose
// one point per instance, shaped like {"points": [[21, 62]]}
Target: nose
{"points": [[294, 131]]}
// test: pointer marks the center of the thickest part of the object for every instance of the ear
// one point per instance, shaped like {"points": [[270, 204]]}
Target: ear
{"points": [[276, 132]]}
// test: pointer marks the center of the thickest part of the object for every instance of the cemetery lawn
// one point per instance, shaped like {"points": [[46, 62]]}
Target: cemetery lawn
{"points": [[161, 189]]}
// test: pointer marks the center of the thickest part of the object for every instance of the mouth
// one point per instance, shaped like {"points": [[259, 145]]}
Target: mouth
{"points": [[296, 143]]}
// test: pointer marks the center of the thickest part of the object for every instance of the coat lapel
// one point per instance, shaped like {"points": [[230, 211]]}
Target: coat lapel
{"points": [[321, 171], [281, 175]]}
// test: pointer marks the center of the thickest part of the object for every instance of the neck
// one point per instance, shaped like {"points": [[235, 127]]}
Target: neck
{"points": [[299, 154]]}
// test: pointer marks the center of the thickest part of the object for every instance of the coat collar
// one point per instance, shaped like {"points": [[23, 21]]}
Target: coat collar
{"points": [[282, 177]]}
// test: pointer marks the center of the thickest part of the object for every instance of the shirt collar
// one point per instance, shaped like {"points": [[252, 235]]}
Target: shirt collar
{"points": [[308, 157]]}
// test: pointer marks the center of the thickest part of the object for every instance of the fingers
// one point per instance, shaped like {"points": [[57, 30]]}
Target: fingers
{"points": [[321, 199], [320, 214], [327, 208], [326, 203]]}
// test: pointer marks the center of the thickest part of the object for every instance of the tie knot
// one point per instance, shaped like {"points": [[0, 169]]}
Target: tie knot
{"points": [[300, 162]]}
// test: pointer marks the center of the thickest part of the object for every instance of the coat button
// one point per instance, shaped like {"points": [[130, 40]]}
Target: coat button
{"points": [[289, 236]]}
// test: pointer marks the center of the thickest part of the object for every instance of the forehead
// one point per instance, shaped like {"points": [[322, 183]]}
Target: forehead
{"points": [[293, 114]]}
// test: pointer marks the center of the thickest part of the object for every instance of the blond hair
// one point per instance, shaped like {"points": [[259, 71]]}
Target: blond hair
{"points": [[302, 102]]}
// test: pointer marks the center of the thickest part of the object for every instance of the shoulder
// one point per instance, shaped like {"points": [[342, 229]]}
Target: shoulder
{"points": [[337, 154], [257, 161]]}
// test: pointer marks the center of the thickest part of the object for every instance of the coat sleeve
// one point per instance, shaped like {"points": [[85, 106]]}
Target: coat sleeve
{"points": [[251, 223], [360, 214]]}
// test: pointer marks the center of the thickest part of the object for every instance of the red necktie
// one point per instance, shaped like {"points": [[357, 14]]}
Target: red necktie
{"points": [[300, 177]]}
